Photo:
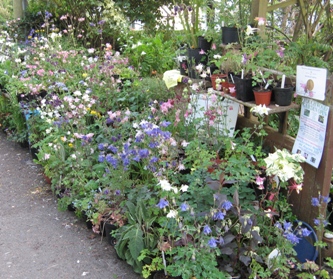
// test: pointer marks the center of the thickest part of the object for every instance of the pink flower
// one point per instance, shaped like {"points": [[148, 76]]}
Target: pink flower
{"points": [[294, 186], [260, 182], [202, 51], [213, 46]]}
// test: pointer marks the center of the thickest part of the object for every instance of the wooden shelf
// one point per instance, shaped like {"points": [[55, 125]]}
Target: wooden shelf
{"points": [[281, 111], [273, 107]]}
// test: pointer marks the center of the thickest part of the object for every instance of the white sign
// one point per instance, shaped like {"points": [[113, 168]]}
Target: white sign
{"points": [[311, 82], [312, 130]]}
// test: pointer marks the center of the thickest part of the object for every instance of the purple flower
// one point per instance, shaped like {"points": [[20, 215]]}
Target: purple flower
{"points": [[212, 243], [218, 216], [287, 225], [244, 59], [184, 206], [101, 158], [162, 203], [153, 144], [165, 123], [292, 238], [144, 153], [117, 192], [113, 149], [154, 159], [226, 205], [111, 160], [305, 232], [315, 202], [316, 222], [278, 225], [326, 199], [207, 230]]}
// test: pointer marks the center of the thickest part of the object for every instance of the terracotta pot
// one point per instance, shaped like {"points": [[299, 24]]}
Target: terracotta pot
{"points": [[226, 88], [262, 97], [216, 76]]}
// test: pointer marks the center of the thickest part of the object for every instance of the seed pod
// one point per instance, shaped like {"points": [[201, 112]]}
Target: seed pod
{"points": [[310, 84]]}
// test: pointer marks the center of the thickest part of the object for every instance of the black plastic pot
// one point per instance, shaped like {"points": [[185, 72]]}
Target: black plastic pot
{"points": [[283, 96], [203, 43], [107, 229], [244, 90], [230, 35]]}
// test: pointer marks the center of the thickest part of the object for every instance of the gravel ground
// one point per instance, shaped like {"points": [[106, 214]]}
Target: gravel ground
{"points": [[36, 240]]}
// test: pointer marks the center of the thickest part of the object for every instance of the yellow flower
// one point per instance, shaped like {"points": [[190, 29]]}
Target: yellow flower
{"points": [[84, 75], [63, 138], [70, 144]]}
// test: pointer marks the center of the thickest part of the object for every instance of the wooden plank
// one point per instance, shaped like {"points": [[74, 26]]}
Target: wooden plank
{"points": [[281, 5]]}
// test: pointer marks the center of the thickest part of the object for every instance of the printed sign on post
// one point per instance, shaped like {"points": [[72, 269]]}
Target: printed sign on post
{"points": [[311, 82], [310, 138]]}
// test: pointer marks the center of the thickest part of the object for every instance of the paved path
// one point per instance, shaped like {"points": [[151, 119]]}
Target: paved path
{"points": [[36, 240]]}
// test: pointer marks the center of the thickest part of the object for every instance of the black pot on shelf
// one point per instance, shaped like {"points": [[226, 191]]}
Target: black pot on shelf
{"points": [[203, 43], [230, 35], [244, 90], [283, 96], [195, 57]]}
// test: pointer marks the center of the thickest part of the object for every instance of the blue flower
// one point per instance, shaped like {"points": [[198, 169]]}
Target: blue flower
{"points": [[162, 203], [101, 146], [153, 144], [218, 216], [326, 199], [316, 222], [278, 225], [101, 158], [305, 232], [111, 160], [292, 238], [144, 153], [212, 243], [154, 159], [287, 225], [165, 123], [184, 206], [113, 149], [207, 230], [226, 205], [315, 202]]}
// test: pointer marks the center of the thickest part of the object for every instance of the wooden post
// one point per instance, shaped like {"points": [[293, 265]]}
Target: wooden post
{"points": [[19, 6]]}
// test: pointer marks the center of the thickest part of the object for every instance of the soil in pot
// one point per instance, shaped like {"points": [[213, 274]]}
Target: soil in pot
{"points": [[262, 97], [283, 96]]}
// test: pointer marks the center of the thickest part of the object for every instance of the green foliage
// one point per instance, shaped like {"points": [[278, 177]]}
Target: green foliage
{"points": [[151, 54], [137, 235]]}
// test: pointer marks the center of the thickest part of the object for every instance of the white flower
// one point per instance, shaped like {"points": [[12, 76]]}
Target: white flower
{"points": [[184, 188], [184, 143], [73, 156], [260, 109], [165, 185], [217, 56], [77, 93], [143, 53], [172, 214], [249, 30], [91, 50], [46, 156], [199, 68]]}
